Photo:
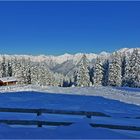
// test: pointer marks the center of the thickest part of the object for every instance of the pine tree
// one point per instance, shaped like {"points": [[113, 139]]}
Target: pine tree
{"points": [[98, 72], [16, 69], [35, 73], [14, 64], [132, 70], [42, 75], [56, 79], [1, 70], [27, 71], [105, 72], [23, 78], [49, 77], [9, 71], [115, 70], [3, 67], [124, 62], [83, 78]]}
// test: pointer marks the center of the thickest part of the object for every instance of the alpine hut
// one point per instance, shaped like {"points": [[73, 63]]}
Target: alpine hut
{"points": [[6, 81]]}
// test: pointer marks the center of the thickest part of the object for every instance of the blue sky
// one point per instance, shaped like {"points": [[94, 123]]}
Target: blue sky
{"points": [[68, 27]]}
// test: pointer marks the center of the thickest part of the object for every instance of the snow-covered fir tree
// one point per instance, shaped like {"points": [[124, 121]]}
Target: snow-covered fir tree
{"points": [[105, 72], [28, 71], [115, 70], [14, 65], [3, 67], [17, 70], [9, 69], [83, 78], [1, 71], [50, 81], [42, 75], [124, 62], [98, 72], [35, 73], [22, 70], [132, 70]]}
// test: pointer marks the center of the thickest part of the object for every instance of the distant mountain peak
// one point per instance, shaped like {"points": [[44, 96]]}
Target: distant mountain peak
{"points": [[104, 53], [127, 50], [75, 58]]}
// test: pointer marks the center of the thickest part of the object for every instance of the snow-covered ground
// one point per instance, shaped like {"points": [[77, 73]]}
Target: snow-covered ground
{"points": [[124, 94], [99, 99], [76, 131]]}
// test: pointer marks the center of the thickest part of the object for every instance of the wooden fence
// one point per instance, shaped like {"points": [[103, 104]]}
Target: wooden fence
{"points": [[39, 123]]}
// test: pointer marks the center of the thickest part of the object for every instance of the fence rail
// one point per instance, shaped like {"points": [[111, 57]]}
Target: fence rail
{"points": [[54, 111], [55, 123], [35, 122]]}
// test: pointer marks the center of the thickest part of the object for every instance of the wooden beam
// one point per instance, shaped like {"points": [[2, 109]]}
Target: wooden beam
{"points": [[52, 123], [137, 118], [54, 111], [121, 127], [35, 122]]}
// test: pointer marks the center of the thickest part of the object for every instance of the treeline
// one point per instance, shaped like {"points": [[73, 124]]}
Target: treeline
{"points": [[28, 72], [117, 70]]}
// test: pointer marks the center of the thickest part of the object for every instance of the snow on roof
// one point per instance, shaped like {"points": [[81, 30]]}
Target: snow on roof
{"points": [[8, 79]]}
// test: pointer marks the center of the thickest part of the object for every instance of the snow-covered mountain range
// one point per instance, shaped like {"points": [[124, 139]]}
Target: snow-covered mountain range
{"points": [[67, 61], [65, 57]]}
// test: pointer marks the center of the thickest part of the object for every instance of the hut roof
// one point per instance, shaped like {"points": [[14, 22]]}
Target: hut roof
{"points": [[8, 79]]}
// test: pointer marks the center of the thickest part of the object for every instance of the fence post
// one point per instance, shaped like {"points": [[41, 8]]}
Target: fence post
{"points": [[88, 116], [39, 113], [39, 124]]}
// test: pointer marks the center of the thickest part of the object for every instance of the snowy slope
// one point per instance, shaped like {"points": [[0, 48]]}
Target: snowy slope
{"points": [[122, 114], [131, 95], [124, 94], [29, 99], [76, 131]]}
